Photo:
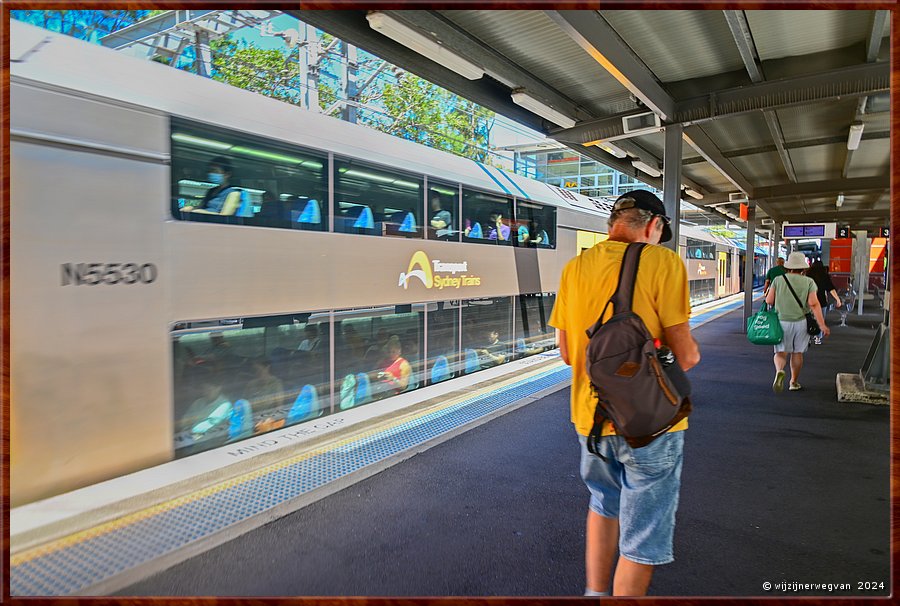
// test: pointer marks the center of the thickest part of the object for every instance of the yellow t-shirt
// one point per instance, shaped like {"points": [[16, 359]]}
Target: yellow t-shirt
{"points": [[661, 299]]}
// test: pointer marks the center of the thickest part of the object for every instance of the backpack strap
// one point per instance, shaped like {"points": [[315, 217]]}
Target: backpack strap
{"points": [[796, 298], [624, 294], [622, 297]]}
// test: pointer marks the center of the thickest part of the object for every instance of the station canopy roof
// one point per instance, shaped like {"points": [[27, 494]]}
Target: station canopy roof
{"points": [[789, 108]]}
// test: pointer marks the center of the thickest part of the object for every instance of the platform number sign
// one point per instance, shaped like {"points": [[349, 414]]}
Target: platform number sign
{"points": [[884, 232], [843, 232]]}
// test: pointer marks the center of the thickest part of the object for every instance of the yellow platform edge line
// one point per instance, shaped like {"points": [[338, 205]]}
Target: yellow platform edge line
{"points": [[143, 514]]}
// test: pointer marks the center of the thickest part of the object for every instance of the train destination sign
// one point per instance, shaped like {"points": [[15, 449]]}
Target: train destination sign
{"points": [[809, 230]]}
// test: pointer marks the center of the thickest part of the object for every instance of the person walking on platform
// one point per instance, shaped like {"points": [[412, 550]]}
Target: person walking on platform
{"points": [[773, 273], [634, 491], [792, 316]]}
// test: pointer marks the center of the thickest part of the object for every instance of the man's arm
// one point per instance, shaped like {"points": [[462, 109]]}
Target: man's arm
{"points": [[766, 286], [770, 297], [682, 344], [563, 346]]}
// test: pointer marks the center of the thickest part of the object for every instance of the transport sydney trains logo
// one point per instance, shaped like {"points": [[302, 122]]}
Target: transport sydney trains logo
{"points": [[437, 274]]}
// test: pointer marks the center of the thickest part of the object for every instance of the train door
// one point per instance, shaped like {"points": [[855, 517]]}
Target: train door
{"points": [[723, 272]]}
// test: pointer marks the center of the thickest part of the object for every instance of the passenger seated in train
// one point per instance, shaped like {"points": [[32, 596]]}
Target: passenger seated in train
{"points": [[223, 199], [441, 220], [494, 352], [398, 370], [498, 229], [264, 390], [209, 410], [537, 235], [311, 342]]}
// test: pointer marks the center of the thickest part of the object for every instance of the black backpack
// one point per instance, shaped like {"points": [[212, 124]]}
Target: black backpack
{"points": [[643, 396]]}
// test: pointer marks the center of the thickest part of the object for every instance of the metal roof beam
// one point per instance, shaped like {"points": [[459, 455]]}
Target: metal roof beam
{"points": [[495, 64], [352, 27], [855, 81], [743, 39], [840, 216], [598, 38], [148, 28], [824, 188], [876, 35], [765, 149]]}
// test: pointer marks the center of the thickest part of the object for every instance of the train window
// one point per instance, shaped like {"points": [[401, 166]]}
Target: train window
{"points": [[377, 353], [376, 201], [443, 211], [535, 225], [532, 333], [487, 218], [486, 335], [247, 378], [698, 249], [223, 176], [702, 290], [443, 342]]}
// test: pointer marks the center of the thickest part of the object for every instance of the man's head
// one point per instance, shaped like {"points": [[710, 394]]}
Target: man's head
{"points": [[780, 261], [496, 216], [641, 211], [435, 202]]}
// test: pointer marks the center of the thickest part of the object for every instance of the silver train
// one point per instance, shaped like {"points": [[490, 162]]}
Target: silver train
{"points": [[338, 265]]}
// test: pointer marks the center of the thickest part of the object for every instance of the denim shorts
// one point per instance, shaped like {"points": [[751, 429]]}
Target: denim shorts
{"points": [[640, 487]]}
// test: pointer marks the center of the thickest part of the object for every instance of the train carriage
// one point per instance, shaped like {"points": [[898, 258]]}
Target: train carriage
{"points": [[146, 327]]}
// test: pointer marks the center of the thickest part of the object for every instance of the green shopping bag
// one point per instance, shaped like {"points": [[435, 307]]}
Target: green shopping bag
{"points": [[764, 327]]}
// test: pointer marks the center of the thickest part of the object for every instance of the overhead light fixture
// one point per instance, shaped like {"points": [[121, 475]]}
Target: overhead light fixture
{"points": [[423, 45], [612, 149], [856, 130], [646, 168], [840, 201], [694, 194], [523, 99]]}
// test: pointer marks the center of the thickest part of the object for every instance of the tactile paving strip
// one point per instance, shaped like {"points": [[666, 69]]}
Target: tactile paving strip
{"points": [[80, 561]]}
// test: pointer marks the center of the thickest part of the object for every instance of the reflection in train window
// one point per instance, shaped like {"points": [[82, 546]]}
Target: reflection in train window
{"points": [[240, 379], [376, 201], [487, 218], [535, 225], [222, 176], [533, 334], [378, 353], [698, 249], [443, 341], [443, 211], [486, 332]]}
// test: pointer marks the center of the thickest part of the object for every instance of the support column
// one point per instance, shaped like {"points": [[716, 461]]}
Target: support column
{"points": [[349, 69], [672, 181], [861, 275], [748, 261]]}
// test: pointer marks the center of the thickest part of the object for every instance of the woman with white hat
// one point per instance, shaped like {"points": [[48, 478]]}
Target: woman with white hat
{"points": [[793, 318]]}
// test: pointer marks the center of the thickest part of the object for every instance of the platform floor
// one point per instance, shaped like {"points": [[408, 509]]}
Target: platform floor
{"points": [[788, 488]]}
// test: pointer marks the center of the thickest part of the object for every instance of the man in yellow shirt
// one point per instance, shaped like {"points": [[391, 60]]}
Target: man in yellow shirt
{"points": [[634, 493]]}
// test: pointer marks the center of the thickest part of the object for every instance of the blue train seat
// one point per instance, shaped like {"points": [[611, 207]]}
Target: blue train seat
{"points": [[521, 347], [241, 422], [441, 370], [409, 224], [363, 388], [472, 363], [365, 220], [305, 406], [475, 232], [311, 213]]}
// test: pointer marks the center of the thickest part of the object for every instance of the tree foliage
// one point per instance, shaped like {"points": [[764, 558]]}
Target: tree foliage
{"points": [[406, 106]]}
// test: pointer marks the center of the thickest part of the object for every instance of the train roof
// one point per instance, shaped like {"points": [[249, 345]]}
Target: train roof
{"points": [[89, 70]]}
